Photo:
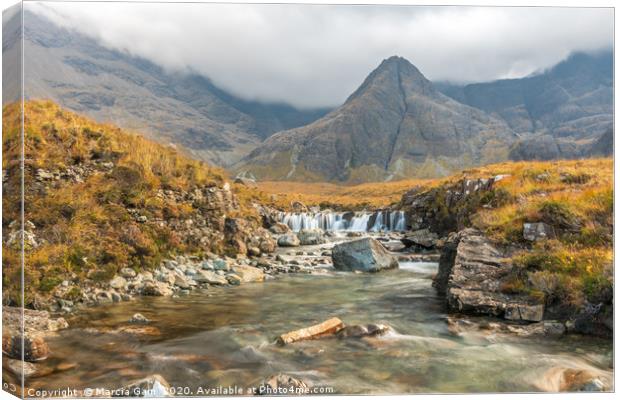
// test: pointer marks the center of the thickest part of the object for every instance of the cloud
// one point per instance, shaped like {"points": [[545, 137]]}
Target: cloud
{"points": [[316, 55]]}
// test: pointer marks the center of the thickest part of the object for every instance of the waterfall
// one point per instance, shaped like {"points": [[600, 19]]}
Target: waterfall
{"points": [[384, 220]]}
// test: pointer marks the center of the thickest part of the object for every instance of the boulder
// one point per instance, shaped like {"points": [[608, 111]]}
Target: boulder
{"points": [[282, 384], [471, 271], [128, 273], [138, 318], [309, 237], [422, 238], [210, 277], [329, 327], [234, 279], [367, 255], [358, 331], [34, 346], [534, 231], [279, 228], [156, 289], [288, 240], [249, 274], [118, 282]]}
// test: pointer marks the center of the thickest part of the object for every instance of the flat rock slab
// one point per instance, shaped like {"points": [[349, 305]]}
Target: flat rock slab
{"points": [[329, 327]]}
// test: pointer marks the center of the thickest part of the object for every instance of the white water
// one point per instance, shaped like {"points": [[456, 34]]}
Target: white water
{"points": [[343, 221]]}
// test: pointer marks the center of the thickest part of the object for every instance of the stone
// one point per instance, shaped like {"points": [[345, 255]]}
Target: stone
{"points": [[118, 282], [181, 281], [422, 238], [138, 318], [279, 228], [535, 231], [34, 347], [282, 384], [329, 327], [234, 279], [220, 264], [524, 312], [254, 251], [249, 274], [151, 386], [358, 331], [366, 255], [288, 240], [310, 237], [116, 298], [156, 289], [210, 277], [128, 273]]}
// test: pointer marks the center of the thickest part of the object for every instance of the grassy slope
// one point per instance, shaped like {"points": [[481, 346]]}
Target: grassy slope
{"points": [[85, 226]]}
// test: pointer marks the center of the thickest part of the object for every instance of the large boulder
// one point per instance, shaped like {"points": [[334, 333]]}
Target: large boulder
{"points": [[420, 238], [309, 237], [248, 274], [367, 255], [279, 228], [288, 240], [470, 275]]}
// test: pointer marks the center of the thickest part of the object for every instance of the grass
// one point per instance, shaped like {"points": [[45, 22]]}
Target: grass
{"points": [[84, 228]]}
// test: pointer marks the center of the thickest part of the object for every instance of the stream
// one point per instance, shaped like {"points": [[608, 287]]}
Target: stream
{"points": [[225, 337]]}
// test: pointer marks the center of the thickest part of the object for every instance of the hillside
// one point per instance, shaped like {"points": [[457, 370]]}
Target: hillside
{"points": [[182, 108], [395, 125], [100, 199]]}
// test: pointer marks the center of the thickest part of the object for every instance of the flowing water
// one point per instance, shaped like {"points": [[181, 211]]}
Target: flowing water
{"points": [[224, 336], [359, 221]]}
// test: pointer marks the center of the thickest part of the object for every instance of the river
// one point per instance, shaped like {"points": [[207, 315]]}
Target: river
{"points": [[225, 336]]}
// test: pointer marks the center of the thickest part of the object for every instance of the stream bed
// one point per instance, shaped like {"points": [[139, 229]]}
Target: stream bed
{"points": [[224, 337]]}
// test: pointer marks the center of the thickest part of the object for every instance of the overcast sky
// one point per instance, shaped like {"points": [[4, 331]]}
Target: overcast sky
{"points": [[317, 55]]}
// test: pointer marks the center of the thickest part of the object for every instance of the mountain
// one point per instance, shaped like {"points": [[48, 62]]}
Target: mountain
{"points": [[554, 111], [180, 108], [396, 124]]}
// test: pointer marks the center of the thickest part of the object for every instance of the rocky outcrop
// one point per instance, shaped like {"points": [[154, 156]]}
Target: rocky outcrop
{"points": [[366, 255], [447, 208], [471, 270]]}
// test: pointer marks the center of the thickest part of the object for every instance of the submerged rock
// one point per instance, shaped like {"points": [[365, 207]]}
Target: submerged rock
{"points": [[151, 386], [34, 347], [329, 327], [366, 255], [138, 319], [358, 331], [282, 384]]}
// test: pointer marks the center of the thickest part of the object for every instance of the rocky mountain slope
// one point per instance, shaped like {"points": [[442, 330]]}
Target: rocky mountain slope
{"points": [[558, 113], [396, 124], [111, 86]]}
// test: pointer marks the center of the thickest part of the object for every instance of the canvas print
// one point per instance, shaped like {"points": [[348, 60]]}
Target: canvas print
{"points": [[217, 199]]}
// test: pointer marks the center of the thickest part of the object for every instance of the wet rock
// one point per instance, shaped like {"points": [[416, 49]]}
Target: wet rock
{"points": [[358, 331], [354, 234], [23, 369], [421, 238], [151, 386], [234, 279], [309, 237], [282, 384], [137, 330], [329, 327], [35, 347], [210, 277], [366, 255], [279, 228], [562, 379], [138, 318], [534, 231], [288, 240]]}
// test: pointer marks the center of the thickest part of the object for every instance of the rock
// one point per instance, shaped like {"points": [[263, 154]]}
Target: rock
{"points": [[210, 277], [354, 234], [553, 328], [142, 219], [282, 384], [137, 331], [138, 319], [34, 347], [220, 264], [116, 298], [366, 255], [23, 369], [128, 273], [329, 327], [234, 279], [35, 321], [151, 386], [309, 237], [422, 238], [471, 270], [254, 251], [288, 240], [249, 274], [245, 182], [524, 312], [562, 379], [358, 331], [118, 282], [534, 231], [181, 281], [156, 289], [279, 228]]}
